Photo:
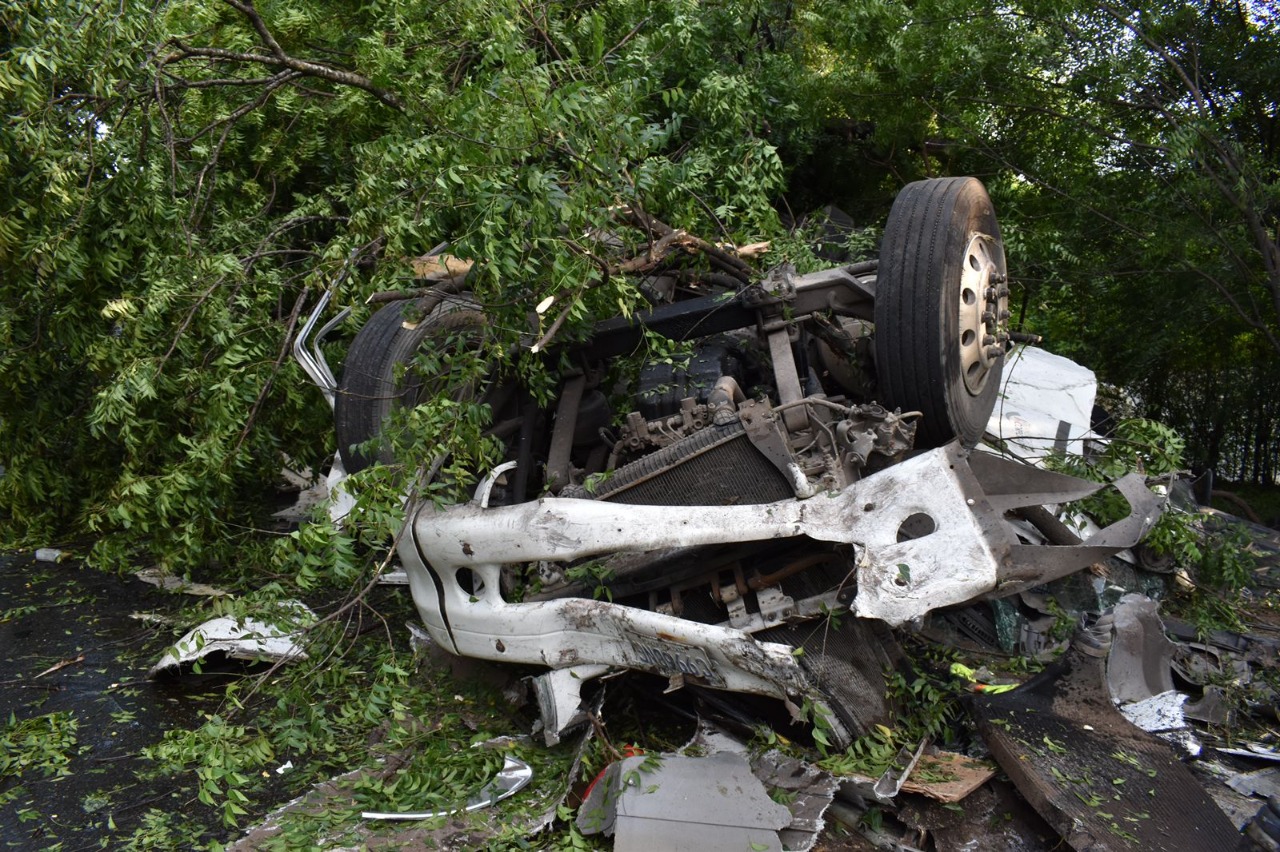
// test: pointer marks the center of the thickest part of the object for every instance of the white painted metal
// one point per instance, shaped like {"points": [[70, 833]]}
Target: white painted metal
{"points": [[460, 601]]}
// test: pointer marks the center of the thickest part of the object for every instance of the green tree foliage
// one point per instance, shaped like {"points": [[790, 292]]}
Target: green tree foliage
{"points": [[1132, 151], [183, 179]]}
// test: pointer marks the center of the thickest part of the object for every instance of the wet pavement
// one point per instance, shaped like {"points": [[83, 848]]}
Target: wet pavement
{"points": [[73, 659]]}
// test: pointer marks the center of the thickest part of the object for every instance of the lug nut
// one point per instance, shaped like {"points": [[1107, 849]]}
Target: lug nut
{"points": [[988, 340]]}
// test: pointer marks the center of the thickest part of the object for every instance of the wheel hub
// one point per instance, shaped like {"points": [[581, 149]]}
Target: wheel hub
{"points": [[984, 311]]}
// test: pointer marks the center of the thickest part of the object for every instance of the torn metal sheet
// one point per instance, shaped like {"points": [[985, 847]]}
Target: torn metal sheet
{"points": [[1138, 665], [511, 779], [170, 583], [1263, 782], [241, 639], [1163, 716], [1045, 404], [1101, 782], [1212, 707], [890, 783], [1254, 751], [683, 804], [559, 695], [807, 792]]}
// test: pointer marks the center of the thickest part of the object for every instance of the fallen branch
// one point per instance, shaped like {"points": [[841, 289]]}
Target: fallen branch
{"points": [[729, 263], [276, 57], [59, 666]]}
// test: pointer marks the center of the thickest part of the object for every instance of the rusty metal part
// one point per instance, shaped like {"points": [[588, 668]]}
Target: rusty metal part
{"points": [[562, 435]]}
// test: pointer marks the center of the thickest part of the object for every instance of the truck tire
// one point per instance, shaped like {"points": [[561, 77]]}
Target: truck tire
{"points": [[376, 379], [941, 309]]}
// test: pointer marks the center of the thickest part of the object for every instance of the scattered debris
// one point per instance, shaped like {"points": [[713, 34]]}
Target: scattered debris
{"points": [[1262, 782], [1138, 665], [165, 580], [1264, 829], [511, 778], [890, 783], [241, 639], [48, 554], [1254, 751], [151, 618], [683, 803], [804, 789], [1163, 716], [994, 817], [768, 542]]}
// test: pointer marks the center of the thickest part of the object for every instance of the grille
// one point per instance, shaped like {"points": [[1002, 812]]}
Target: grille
{"points": [[717, 466]]}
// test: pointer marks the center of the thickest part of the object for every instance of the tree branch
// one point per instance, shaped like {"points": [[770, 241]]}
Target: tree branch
{"points": [[277, 57]]}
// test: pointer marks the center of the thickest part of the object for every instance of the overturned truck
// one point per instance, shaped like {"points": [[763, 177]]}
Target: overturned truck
{"points": [[819, 451]]}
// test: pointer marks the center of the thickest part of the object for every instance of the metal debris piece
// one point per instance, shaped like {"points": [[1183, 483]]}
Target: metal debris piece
{"points": [[1045, 404], [1262, 782], [888, 835], [511, 778], [1202, 664], [1138, 666], [1256, 751], [1264, 829], [241, 639], [683, 804], [808, 792], [1098, 780], [890, 783], [1162, 715], [1212, 707], [168, 582]]}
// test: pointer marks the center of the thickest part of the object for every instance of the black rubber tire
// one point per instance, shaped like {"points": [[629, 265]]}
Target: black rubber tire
{"points": [[917, 315], [369, 389]]}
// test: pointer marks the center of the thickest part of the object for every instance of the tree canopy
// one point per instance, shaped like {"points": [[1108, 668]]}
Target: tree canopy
{"points": [[183, 179]]}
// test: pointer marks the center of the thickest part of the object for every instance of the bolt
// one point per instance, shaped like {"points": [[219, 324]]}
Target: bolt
{"points": [[988, 316], [988, 340], [994, 352], [1004, 315], [1002, 292]]}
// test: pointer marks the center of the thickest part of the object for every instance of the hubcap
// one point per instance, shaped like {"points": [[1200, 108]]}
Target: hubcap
{"points": [[984, 312]]}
